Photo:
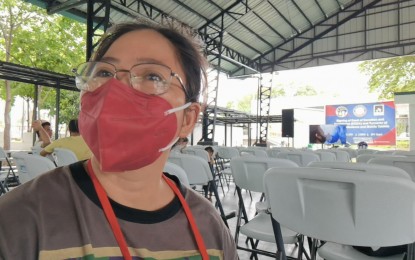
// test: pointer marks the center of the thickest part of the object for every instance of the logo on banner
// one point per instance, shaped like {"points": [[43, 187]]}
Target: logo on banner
{"points": [[378, 110], [359, 111], [341, 111]]}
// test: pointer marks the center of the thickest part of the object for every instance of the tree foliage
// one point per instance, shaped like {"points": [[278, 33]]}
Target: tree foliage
{"points": [[49, 42], [306, 91], [388, 76]]}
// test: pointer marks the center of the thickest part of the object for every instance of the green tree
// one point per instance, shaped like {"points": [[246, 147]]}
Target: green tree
{"points": [[278, 91], [245, 103], [31, 37], [306, 91], [388, 76], [13, 16]]}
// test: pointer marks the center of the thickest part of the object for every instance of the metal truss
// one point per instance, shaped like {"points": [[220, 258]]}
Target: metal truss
{"points": [[283, 55], [264, 108]]}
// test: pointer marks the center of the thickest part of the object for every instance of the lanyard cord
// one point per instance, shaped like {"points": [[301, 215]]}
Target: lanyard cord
{"points": [[199, 240], [109, 214], [115, 227]]}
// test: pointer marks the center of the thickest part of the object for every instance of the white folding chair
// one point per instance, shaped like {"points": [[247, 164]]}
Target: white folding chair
{"points": [[30, 165], [405, 163], [272, 152], [254, 151], [178, 171], [224, 155], [405, 153], [4, 178], [342, 207], [64, 156], [366, 151], [205, 155], [198, 173], [364, 168], [326, 156], [385, 152], [364, 158], [197, 152], [352, 152], [301, 158], [248, 173], [341, 156]]}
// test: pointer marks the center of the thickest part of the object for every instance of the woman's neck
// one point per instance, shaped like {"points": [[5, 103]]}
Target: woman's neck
{"points": [[141, 189]]}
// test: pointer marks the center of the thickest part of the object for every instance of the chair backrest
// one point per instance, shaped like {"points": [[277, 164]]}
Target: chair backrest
{"points": [[364, 158], [36, 149], [366, 151], [254, 151], [31, 165], [249, 171], [405, 163], [273, 152], [197, 152], [196, 168], [227, 152], [364, 168], [343, 206], [326, 156], [64, 156], [385, 152], [352, 152], [341, 156], [299, 157], [405, 153], [178, 171]]}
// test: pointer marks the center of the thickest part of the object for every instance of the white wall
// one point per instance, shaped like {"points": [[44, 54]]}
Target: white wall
{"points": [[408, 98]]}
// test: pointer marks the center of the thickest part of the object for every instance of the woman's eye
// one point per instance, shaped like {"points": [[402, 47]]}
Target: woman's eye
{"points": [[154, 77], [104, 74]]}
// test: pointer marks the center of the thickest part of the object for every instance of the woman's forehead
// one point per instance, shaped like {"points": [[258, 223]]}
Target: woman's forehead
{"points": [[143, 45]]}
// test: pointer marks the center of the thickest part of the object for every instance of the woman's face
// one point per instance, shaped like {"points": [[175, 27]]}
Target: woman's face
{"points": [[48, 130], [148, 46]]}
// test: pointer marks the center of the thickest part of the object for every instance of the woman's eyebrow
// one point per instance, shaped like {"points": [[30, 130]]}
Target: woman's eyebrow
{"points": [[110, 59]]}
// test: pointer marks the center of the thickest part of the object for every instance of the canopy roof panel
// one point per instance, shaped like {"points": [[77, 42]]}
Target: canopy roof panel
{"points": [[272, 35]]}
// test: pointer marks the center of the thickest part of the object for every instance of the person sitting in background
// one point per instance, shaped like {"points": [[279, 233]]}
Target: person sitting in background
{"points": [[211, 162], [74, 142], [180, 144], [362, 145], [43, 131]]}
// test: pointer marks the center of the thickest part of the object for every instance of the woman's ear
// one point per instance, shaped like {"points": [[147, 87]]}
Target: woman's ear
{"points": [[191, 114]]}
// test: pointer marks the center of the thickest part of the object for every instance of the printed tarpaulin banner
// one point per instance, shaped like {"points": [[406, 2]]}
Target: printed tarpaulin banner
{"points": [[373, 123]]}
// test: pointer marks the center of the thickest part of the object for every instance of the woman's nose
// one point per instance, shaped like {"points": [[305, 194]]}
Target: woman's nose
{"points": [[123, 76]]}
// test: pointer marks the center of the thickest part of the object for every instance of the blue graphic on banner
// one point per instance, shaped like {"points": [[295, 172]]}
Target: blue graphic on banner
{"points": [[373, 123]]}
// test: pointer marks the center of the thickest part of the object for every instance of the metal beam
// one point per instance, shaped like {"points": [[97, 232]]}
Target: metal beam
{"points": [[56, 7], [348, 13]]}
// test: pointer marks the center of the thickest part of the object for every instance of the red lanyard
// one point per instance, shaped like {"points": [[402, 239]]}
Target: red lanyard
{"points": [[115, 227]]}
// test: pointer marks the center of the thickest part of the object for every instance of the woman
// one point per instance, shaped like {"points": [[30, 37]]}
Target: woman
{"points": [[138, 96], [44, 133]]}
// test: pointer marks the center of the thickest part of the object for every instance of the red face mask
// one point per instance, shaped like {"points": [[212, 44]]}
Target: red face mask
{"points": [[124, 128]]}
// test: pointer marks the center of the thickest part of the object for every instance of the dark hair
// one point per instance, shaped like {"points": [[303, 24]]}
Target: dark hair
{"points": [[188, 52], [209, 149], [73, 126], [45, 123]]}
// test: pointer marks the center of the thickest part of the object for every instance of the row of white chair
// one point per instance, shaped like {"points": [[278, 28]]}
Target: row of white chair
{"points": [[29, 165], [310, 194]]}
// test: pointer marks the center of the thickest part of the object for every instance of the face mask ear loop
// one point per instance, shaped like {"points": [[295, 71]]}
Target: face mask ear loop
{"points": [[174, 110], [169, 145]]}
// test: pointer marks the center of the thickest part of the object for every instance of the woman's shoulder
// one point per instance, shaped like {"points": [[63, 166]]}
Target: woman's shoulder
{"points": [[38, 189]]}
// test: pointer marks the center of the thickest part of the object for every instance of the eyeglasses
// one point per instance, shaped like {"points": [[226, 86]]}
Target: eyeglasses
{"points": [[150, 78]]}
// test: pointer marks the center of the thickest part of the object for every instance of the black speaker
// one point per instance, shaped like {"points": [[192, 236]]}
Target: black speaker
{"points": [[287, 128]]}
